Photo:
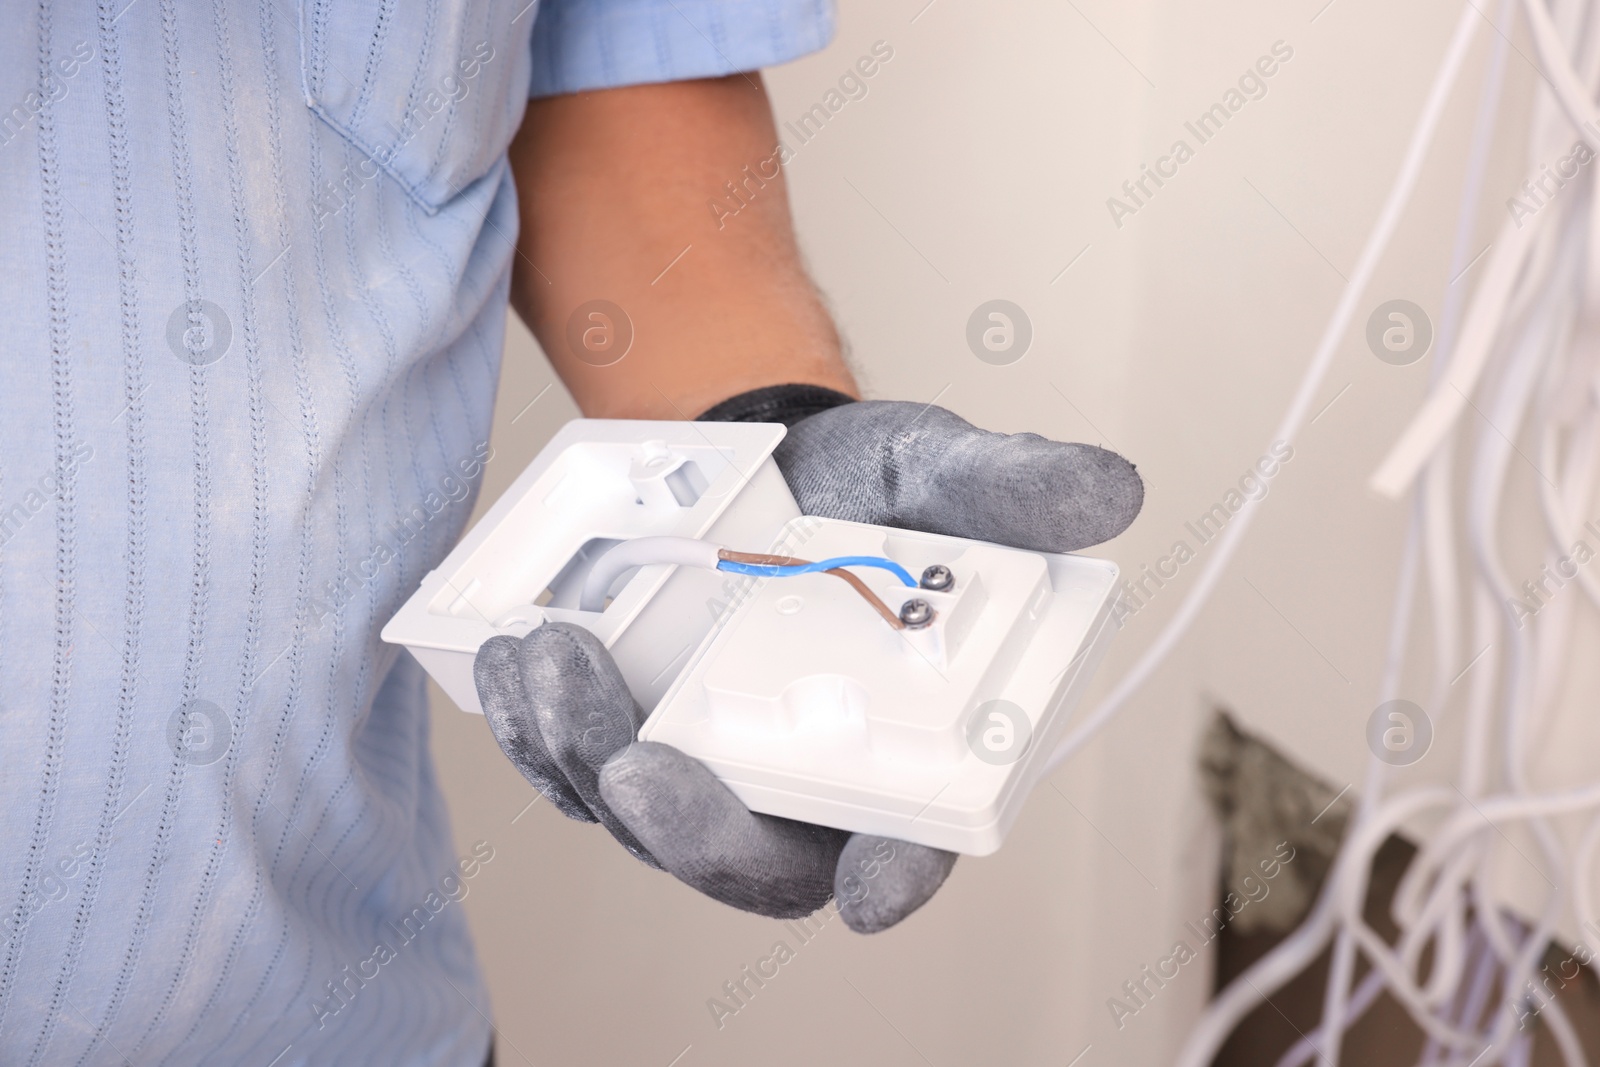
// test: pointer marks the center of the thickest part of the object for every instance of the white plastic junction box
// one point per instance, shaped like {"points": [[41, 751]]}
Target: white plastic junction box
{"points": [[793, 690], [598, 482]]}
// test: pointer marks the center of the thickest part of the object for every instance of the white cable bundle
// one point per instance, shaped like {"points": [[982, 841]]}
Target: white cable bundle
{"points": [[1525, 358]]}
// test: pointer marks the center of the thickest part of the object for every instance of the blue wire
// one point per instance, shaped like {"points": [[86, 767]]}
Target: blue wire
{"points": [[767, 570]]}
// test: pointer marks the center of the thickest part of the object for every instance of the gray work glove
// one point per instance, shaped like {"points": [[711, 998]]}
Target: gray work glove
{"points": [[562, 713]]}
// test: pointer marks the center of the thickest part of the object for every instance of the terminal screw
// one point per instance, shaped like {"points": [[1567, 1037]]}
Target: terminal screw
{"points": [[938, 579], [916, 614]]}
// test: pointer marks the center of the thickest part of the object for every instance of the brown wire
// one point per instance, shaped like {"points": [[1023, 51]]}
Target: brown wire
{"points": [[762, 560]]}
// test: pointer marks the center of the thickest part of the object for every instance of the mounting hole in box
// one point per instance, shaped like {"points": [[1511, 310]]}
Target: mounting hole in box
{"points": [[566, 587]]}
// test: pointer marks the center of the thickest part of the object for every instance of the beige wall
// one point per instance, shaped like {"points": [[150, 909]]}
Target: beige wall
{"points": [[978, 167]]}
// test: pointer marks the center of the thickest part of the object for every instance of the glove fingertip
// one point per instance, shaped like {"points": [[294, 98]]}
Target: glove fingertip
{"points": [[584, 713], [879, 881], [495, 665], [496, 672], [698, 830], [1116, 493]]}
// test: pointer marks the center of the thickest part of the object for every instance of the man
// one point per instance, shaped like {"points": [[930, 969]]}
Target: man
{"points": [[259, 256]]}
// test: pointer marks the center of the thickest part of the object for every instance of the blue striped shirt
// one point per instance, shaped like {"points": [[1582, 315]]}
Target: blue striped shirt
{"points": [[256, 259]]}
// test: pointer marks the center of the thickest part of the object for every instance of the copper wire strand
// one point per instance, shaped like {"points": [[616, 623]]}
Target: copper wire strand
{"points": [[762, 560]]}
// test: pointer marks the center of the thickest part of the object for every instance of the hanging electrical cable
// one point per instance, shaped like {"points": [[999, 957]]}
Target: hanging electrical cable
{"points": [[1521, 357]]}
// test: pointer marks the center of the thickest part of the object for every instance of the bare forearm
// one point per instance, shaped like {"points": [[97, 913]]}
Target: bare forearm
{"points": [[613, 189]]}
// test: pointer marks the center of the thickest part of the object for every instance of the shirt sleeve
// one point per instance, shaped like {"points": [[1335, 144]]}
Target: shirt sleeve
{"points": [[602, 44]]}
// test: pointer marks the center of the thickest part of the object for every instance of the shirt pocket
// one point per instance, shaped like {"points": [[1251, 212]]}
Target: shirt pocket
{"points": [[431, 93]]}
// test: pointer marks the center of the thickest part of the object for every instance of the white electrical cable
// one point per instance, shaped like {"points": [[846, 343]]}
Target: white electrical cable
{"points": [[1289, 428], [1342, 968], [1447, 907], [1570, 1050], [1526, 363], [1309, 1046], [1545, 331], [1292, 955], [1469, 1002], [642, 552], [1447, 403], [1532, 943], [1441, 556]]}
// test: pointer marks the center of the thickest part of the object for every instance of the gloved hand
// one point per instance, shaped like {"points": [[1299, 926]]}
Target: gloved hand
{"points": [[560, 710]]}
